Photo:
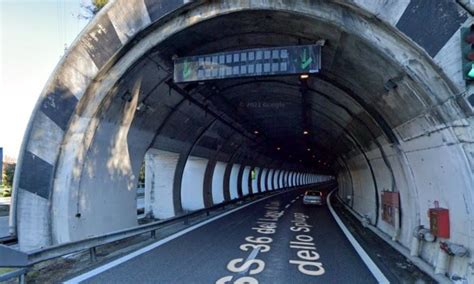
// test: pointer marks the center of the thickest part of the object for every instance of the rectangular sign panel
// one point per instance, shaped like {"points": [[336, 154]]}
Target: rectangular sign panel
{"points": [[286, 60]]}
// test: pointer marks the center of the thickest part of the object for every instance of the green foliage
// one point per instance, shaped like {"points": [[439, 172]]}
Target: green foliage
{"points": [[5, 270], [141, 176], [89, 10], [98, 4], [6, 192], [7, 175]]}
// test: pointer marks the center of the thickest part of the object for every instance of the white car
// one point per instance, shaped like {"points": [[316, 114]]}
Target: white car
{"points": [[313, 197]]}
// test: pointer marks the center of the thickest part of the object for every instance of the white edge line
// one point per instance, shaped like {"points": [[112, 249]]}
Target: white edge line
{"points": [[148, 248], [360, 251], [251, 256]]}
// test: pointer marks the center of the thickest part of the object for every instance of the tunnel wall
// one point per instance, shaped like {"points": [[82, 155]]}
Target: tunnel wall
{"points": [[193, 184], [254, 182], [418, 144], [160, 169], [218, 183], [245, 178]]}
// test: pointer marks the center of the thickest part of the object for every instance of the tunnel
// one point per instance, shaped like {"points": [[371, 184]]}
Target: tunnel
{"points": [[389, 111]]}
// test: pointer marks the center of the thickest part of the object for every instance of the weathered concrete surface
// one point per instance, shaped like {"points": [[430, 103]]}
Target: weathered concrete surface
{"points": [[388, 112], [192, 184], [4, 226], [160, 169]]}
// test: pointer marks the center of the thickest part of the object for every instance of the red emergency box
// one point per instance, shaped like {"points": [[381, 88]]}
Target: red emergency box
{"points": [[439, 222], [390, 202]]}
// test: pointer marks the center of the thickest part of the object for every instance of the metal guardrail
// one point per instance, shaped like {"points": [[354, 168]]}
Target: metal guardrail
{"points": [[8, 240], [10, 257], [20, 273]]}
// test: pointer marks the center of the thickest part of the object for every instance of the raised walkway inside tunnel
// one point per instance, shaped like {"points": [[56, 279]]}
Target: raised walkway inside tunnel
{"points": [[387, 111]]}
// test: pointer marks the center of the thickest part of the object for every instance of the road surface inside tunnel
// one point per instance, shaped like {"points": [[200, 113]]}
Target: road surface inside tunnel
{"points": [[277, 240]]}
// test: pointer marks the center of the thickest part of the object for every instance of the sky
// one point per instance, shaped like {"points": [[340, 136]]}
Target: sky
{"points": [[33, 35]]}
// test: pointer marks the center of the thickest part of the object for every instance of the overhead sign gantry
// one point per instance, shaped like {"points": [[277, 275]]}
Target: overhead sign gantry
{"points": [[301, 59]]}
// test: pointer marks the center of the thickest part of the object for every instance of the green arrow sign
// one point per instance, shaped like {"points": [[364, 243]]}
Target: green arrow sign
{"points": [[271, 61], [305, 59], [186, 69]]}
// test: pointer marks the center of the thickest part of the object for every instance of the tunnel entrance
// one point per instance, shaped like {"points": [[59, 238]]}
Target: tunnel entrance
{"points": [[384, 114]]}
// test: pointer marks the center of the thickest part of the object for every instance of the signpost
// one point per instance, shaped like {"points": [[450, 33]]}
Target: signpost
{"points": [[287, 60]]}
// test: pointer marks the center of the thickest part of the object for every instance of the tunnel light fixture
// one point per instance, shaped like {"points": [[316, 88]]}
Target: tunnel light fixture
{"points": [[256, 132], [304, 76], [305, 132], [309, 149], [314, 156], [278, 148]]}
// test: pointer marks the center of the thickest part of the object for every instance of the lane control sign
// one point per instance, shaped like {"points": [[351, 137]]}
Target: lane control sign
{"points": [[287, 60]]}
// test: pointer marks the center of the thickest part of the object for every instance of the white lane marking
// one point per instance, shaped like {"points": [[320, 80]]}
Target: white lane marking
{"points": [[148, 248], [293, 201], [360, 251], [251, 256], [287, 205]]}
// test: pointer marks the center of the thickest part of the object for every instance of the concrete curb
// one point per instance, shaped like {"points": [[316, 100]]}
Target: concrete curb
{"points": [[420, 263]]}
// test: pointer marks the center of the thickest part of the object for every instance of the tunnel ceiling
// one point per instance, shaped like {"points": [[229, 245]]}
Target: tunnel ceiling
{"points": [[387, 112], [344, 108]]}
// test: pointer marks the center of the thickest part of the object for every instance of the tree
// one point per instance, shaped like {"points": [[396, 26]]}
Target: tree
{"points": [[98, 4], [141, 176], [92, 8], [8, 173]]}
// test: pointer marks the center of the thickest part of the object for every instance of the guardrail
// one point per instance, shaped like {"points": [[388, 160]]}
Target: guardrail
{"points": [[10, 257], [20, 273], [8, 240]]}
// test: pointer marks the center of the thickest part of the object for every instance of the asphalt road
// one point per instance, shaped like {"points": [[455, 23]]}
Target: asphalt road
{"points": [[278, 240]]}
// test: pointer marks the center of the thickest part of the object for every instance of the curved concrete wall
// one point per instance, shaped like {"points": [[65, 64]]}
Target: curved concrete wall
{"points": [[192, 183], [218, 183], [275, 179], [234, 174], [263, 180], [254, 182], [245, 179], [269, 179], [392, 106], [160, 167]]}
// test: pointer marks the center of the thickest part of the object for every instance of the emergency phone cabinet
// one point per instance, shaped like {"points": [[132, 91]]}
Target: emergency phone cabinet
{"points": [[439, 222], [390, 205]]}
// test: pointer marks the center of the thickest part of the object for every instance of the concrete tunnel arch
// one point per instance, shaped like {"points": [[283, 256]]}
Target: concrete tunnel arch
{"points": [[388, 112]]}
